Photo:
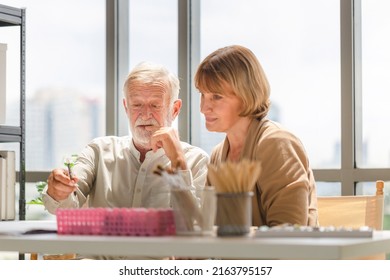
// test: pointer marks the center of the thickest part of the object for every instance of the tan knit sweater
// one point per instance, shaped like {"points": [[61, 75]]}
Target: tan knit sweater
{"points": [[285, 192]]}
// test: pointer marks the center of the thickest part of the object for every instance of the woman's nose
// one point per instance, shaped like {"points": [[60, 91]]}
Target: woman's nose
{"points": [[205, 106]]}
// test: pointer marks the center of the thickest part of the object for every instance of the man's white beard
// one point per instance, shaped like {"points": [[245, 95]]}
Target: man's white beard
{"points": [[141, 136]]}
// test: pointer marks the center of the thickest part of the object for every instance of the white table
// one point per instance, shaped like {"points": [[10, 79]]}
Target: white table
{"points": [[189, 246]]}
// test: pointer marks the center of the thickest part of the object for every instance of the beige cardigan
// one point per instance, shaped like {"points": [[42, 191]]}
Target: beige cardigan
{"points": [[285, 191]]}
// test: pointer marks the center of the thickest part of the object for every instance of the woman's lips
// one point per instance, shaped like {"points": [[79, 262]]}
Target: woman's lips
{"points": [[210, 119]]}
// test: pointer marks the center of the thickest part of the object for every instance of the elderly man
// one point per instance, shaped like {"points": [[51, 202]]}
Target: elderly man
{"points": [[118, 171]]}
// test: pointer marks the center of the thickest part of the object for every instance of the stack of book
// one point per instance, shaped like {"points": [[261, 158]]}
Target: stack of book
{"points": [[7, 185], [3, 48]]}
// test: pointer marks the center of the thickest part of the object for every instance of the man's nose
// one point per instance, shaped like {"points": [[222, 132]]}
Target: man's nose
{"points": [[146, 112]]}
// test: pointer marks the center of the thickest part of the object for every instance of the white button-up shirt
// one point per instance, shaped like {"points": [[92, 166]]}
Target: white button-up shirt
{"points": [[111, 174]]}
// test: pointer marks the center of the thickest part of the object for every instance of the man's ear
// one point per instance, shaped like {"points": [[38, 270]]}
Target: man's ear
{"points": [[124, 104], [176, 108]]}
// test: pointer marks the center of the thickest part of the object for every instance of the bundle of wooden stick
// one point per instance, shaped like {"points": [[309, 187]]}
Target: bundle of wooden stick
{"points": [[184, 204], [234, 177]]}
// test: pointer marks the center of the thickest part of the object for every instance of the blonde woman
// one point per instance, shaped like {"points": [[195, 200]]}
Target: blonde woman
{"points": [[235, 99]]}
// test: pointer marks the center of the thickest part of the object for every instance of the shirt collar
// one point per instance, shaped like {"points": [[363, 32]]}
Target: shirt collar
{"points": [[149, 155]]}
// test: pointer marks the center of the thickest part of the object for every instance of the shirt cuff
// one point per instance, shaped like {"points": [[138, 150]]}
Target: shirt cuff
{"points": [[51, 204], [186, 175]]}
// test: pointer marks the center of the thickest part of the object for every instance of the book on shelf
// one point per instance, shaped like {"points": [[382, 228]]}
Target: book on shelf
{"points": [[7, 185], [3, 48], [3, 183]]}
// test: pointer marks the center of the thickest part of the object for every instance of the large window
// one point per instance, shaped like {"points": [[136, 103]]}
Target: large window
{"points": [[375, 147], [325, 60], [144, 30], [153, 32], [298, 44], [65, 78], [65, 85]]}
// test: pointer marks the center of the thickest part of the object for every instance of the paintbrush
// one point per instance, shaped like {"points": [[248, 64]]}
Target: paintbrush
{"points": [[234, 177]]}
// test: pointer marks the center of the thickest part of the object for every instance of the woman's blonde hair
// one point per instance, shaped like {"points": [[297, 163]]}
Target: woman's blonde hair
{"points": [[238, 67]]}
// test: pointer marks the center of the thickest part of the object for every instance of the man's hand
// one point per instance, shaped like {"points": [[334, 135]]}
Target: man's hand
{"points": [[168, 139], [60, 186]]}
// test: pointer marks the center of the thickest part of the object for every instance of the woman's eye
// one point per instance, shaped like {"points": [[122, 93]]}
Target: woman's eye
{"points": [[217, 96]]}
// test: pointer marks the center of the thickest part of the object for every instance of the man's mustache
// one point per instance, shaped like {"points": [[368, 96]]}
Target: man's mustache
{"points": [[152, 122]]}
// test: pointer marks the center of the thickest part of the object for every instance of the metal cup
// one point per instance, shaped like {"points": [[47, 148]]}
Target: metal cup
{"points": [[234, 213]]}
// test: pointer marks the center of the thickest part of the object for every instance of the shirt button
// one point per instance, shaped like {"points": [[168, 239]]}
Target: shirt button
{"points": [[143, 169], [138, 190]]}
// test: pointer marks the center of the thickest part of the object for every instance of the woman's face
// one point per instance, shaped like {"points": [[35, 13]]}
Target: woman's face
{"points": [[221, 110]]}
